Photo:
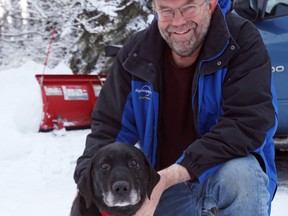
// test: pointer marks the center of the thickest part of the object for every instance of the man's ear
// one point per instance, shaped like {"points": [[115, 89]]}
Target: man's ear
{"points": [[153, 179], [212, 5], [85, 185]]}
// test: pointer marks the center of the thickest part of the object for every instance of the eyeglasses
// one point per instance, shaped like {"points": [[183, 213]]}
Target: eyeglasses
{"points": [[187, 11]]}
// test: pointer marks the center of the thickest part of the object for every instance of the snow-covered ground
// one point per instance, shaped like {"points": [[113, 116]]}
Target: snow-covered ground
{"points": [[36, 169]]}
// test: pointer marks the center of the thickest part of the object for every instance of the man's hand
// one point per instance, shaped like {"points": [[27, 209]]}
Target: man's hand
{"points": [[149, 205], [170, 176]]}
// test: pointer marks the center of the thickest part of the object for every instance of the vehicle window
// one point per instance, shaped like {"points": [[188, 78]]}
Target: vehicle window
{"points": [[276, 8], [253, 5]]}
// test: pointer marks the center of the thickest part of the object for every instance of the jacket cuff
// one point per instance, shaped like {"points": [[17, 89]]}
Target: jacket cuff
{"points": [[193, 170]]}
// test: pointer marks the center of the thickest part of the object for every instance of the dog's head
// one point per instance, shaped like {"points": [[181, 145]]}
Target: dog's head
{"points": [[118, 179]]}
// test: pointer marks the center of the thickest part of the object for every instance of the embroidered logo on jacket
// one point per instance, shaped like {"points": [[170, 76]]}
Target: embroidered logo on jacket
{"points": [[144, 92]]}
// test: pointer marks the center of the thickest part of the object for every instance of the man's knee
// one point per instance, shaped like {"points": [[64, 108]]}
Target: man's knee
{"points": [[236, 173], [237, 183]]}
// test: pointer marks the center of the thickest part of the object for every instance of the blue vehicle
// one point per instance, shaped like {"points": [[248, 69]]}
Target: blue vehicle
{"points": [[271, 19]]}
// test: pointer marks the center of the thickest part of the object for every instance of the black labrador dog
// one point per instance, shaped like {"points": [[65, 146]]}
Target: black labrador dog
{"points": [[118, 180]]}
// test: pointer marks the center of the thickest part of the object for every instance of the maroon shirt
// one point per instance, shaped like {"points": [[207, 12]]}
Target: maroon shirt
{"points": [[177, 130]]}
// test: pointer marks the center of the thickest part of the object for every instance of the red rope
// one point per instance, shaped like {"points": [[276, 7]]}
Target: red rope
{"points": [[103, 213], [49, 49]]}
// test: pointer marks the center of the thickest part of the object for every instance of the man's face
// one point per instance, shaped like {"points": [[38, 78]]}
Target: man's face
{"points": [[184, 35]]}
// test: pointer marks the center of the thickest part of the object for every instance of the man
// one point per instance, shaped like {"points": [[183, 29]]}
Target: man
{"points": [[194, 90]]}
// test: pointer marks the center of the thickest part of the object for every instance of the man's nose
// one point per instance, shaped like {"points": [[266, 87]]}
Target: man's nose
{"points": [[178, 19]]}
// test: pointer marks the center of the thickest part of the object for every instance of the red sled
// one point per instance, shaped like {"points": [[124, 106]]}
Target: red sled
{"points": [[68, 100]]}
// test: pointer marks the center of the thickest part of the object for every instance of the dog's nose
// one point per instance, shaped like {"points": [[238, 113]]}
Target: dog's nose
{"points": [[121, 187]]}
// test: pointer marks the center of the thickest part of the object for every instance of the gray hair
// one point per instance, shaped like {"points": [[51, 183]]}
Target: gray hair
{"points": [[153, 3]]}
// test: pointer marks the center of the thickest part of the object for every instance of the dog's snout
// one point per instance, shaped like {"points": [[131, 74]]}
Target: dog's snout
{"points": [[121, 187]]}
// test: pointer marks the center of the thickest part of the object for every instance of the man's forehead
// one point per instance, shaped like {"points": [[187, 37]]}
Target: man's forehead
{"points": [[174, 2]]}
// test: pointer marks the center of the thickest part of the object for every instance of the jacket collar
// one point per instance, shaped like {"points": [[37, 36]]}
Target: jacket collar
{"points": [[145, 58], [219, 46]]}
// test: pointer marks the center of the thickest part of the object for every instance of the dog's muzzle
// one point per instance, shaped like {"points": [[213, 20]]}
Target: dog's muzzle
{"points": [[121, 195]]}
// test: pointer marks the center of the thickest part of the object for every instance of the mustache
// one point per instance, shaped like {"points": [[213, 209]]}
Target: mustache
{"points": [[184, 28]]}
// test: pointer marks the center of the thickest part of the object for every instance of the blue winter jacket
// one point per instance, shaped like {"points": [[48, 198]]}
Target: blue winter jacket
{"points": [[234, 103]]}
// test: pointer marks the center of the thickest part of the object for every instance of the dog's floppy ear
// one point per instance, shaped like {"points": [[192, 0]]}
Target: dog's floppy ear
{"points": [[154, 177], [85, 185]]}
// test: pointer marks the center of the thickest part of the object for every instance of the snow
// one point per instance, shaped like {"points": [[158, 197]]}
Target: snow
{"points": [[37, 168]]}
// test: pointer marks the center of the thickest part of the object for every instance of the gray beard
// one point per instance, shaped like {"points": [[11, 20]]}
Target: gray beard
{"points": [[200, 32]]}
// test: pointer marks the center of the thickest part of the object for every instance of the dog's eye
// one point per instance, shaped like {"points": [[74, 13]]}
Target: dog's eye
{"points": [[134, 163], [105, 166]]}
